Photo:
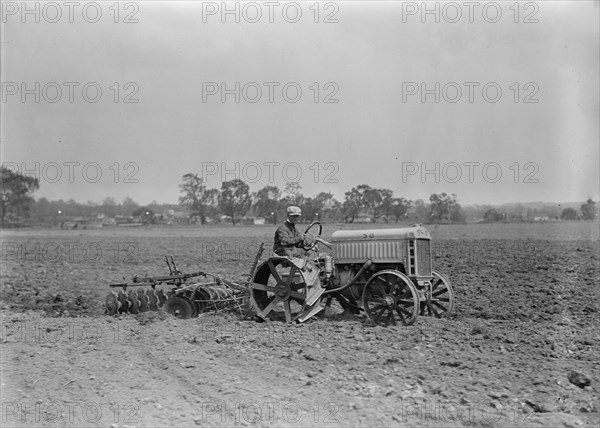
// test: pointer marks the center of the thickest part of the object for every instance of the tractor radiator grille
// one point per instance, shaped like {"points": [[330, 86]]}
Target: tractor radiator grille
{"points": [[423, 257], [378, 251]]}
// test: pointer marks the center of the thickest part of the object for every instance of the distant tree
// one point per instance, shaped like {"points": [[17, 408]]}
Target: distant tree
{"points": [[569, 214], [292, 191], [309, 209], [385, 208], [371, 201], [325, 206], [211, 203], [15, 196], [129, 205], [196, 197], [400, 208], [334, 212], [234, 198], [267, 202], [588, 210], [445, 207], [377, 202], [108, 205], [492, 216], [74, 208], [457, 215], [43, 211], [145, 214], [353, 203], [420, 211]]}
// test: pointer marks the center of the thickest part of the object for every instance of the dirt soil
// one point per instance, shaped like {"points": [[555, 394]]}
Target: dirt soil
{"points": [[520, 350]]}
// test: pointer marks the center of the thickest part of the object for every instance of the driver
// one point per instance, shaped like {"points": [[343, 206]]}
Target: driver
{"points": [[287, 237]]}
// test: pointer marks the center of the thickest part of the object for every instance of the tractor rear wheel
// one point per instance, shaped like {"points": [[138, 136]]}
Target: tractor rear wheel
{"points": [[278, 290]]}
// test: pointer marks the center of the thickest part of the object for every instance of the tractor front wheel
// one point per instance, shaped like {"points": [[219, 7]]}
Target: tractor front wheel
{"points": [[439, 299], [389, 295]]}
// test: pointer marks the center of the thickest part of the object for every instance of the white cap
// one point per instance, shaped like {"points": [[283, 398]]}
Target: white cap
{"points": [[294, 210]]}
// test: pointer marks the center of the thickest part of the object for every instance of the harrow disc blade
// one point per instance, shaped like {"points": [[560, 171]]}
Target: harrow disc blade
{"points": [[134, 304], [200, 300], [160, 295], [143, 299], [123, 302], [112, 304], [152, 300], [180, 307]]}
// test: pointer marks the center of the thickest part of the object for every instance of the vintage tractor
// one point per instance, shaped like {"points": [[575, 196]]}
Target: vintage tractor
{"points": [[387, 270], [386, 273]]}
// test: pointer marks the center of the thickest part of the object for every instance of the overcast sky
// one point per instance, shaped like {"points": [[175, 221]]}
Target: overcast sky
{"points": [[374, 61]]}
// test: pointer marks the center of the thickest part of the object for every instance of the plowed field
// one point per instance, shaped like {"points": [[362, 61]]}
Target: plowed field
{"points": [[525, 326]]}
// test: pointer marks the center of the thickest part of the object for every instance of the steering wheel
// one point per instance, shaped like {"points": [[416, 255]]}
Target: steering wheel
{"points": [[314, 237]]}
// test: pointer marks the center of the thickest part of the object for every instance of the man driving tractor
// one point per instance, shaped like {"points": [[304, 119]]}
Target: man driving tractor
{"points": [[287, 238]]}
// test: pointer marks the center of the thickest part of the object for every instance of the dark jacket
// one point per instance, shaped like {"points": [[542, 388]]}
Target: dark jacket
{"points": [[286, 238]]}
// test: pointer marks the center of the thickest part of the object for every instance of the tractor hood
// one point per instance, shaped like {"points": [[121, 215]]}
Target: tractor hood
{"points": [[413, 232]]}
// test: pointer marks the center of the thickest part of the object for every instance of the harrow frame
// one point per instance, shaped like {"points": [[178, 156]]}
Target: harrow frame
{"points": [[183, 299]]}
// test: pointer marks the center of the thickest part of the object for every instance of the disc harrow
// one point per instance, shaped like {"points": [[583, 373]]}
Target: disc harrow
{"points": [[174, 294]]}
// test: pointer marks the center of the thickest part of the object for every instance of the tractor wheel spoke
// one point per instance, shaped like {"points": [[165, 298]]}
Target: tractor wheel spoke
{"points": [[270, 306], [274, 271], [297, 295], [291, 275], [437, 315], [401, 315], [262, 287], [439, 292]]}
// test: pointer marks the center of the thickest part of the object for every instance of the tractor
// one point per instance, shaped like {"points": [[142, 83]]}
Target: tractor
{"points": [[387, 273]]}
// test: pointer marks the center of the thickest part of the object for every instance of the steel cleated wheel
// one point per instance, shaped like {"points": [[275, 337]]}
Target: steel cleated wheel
{"points": [[389, 296], [439, 299], [278, 290]]}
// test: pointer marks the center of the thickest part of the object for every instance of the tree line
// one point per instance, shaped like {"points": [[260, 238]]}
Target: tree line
{"points": [[234, 201], [361, 203]]}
